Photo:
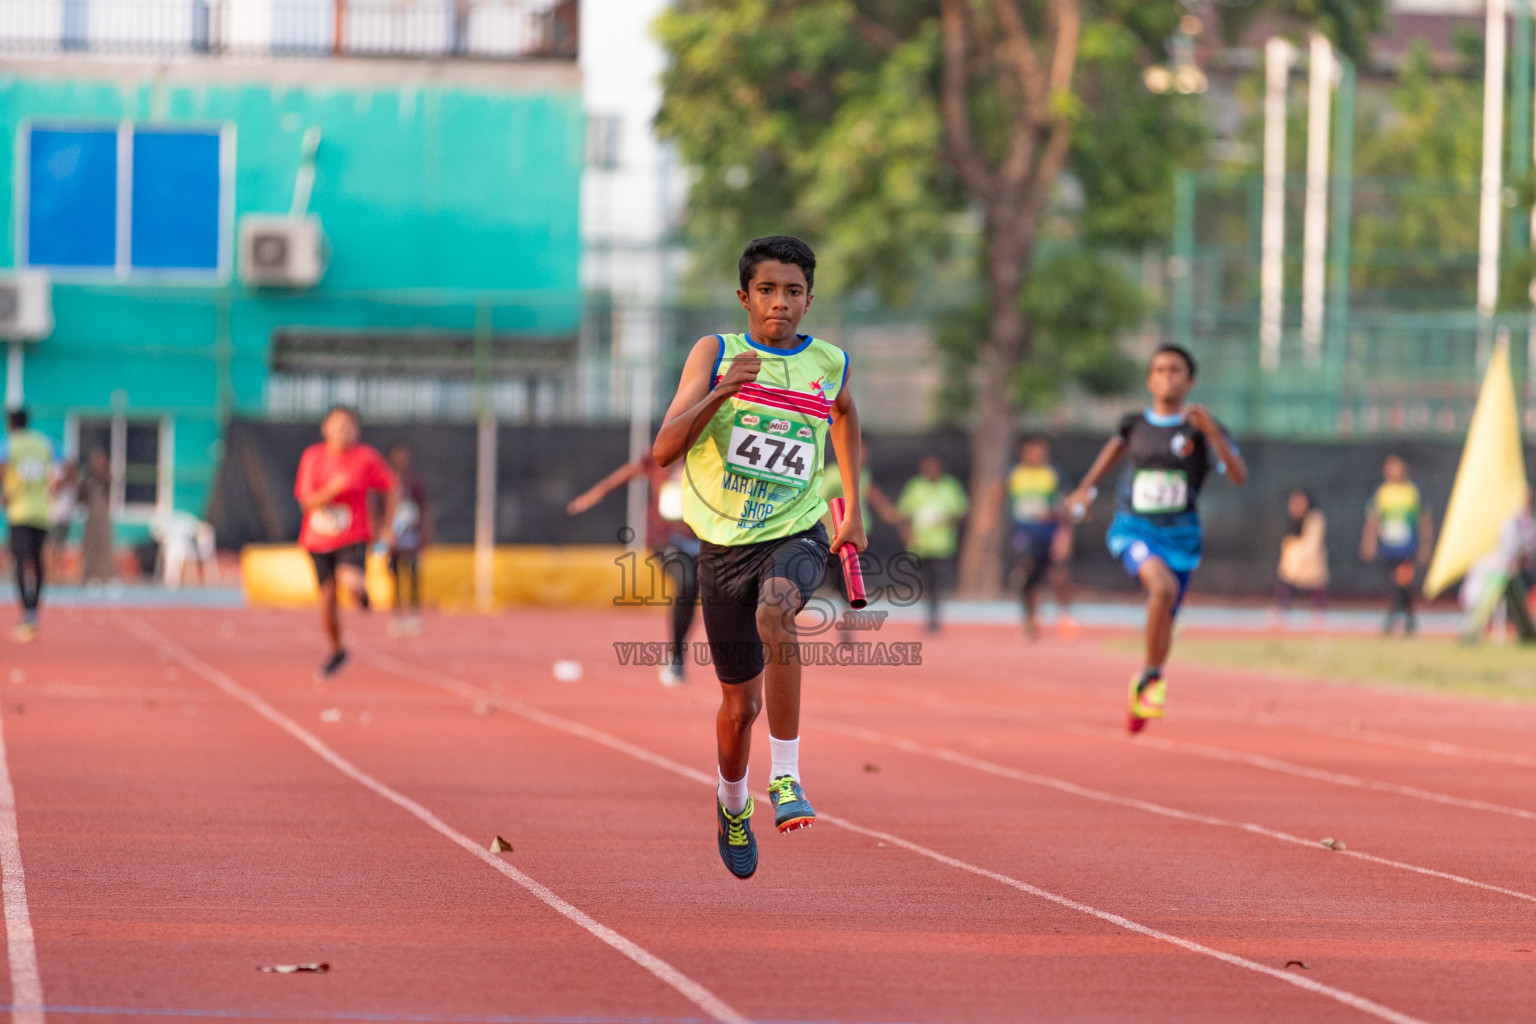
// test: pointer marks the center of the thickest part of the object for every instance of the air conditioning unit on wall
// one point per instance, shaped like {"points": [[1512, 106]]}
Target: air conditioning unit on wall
{"points": [[26, 305], [281, 252]]}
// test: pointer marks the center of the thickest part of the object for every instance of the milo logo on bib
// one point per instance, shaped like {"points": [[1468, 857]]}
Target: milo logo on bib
{"points": [[766, 452]]}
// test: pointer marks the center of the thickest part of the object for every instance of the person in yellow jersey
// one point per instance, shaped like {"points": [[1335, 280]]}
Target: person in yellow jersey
{"points": [[27, 461], [1398, 534], [1042, 534], [753, 416]]}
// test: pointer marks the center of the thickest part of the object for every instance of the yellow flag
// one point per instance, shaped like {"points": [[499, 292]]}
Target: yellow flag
{"points": [[1490, 482]]}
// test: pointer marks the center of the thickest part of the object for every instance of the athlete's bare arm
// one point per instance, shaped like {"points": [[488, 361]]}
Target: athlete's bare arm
{"points": [[1368, 536], [1201, 420], [698, 397], [848, 443], [391, 501], [600, 490], [311, 498], [882, 504], [1426, 536], [1079, 501]]}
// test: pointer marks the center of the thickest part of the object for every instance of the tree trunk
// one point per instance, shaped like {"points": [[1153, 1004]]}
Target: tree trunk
{"points": [[1008, 252]]}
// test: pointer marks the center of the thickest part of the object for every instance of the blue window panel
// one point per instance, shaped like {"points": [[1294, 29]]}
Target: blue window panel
{"points": [[176, 184], [72, 198]]}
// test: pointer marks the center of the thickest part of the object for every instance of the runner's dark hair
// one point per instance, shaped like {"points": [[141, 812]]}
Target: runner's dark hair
{"points": [[783, 249], [18, 418], [1182, 353]]}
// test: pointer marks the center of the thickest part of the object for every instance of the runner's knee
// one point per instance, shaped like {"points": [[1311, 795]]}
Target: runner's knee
{"points": [[741, 706], [1160, 582], [776, 610]]}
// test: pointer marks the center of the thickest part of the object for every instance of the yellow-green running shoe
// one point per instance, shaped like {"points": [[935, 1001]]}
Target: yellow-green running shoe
{"points": [[791, 810], [738, 847], [1147, 698]]}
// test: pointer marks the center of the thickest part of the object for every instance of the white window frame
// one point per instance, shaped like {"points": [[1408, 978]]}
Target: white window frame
{"points": [[123, 268], [117, 455]]}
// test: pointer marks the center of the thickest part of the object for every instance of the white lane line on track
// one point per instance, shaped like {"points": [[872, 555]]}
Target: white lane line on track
{"points": [[20, 946], [456, 686], [664, 972], [1372, 737], [1072, 788], [1320, 775], [1231, 756], [1368, 736]]}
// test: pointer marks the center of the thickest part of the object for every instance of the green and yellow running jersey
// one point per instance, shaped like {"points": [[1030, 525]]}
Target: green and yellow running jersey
{"points": [[1032, 494], [755, 471], [28, 457], [1397, 508]]}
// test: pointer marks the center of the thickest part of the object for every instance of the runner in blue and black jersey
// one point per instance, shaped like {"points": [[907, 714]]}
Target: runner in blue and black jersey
{"points": [[1170, 447]]}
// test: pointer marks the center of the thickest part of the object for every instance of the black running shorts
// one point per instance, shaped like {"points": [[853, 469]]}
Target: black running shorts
{"points": [[731, 580], [326, 562]]}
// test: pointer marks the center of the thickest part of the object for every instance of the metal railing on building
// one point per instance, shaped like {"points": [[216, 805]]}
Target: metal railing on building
{"points": [[490, 29]]}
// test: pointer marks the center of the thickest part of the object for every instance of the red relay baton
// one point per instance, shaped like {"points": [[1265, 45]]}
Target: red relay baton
{"points": [[853, 576]]}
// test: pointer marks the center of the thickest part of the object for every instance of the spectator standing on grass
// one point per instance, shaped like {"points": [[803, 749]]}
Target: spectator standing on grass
{"points": [[96, 496], [931, 506], [1303, 555], [414, 531], [1397, 534]]}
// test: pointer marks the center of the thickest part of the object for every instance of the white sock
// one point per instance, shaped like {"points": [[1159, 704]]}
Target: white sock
{"points": [[786, 758], [732, 794]]}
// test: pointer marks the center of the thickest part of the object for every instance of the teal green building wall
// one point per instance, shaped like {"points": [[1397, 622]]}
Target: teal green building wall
{"points": [[448, 191]]}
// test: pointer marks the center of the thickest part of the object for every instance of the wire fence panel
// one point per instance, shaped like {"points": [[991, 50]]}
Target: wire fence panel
{"points": [[1402, 348], [495, 29]]}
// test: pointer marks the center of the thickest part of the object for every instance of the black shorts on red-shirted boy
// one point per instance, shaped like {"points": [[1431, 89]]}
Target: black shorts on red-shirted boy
{"points": [[355, 555]]}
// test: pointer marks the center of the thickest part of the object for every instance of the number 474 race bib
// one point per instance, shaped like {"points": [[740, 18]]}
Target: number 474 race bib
{"points": [[777, 450]]}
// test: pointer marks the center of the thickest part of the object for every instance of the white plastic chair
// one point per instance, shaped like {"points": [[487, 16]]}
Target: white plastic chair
{"points": [[184, 539]]}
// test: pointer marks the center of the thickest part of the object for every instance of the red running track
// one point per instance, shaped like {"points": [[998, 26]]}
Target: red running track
{"points": [[992, 847]]}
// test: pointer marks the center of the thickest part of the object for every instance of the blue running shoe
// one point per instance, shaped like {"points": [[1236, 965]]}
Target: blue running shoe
{"points": [[738, 847], [791, 810]]}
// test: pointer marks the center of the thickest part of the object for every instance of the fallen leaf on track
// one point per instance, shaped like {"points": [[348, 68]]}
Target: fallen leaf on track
{"points": [[871, 767], [500, 845], [1296, 963], [295, 969]]}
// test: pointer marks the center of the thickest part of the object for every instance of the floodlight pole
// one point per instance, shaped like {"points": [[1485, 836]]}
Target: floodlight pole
{"points": [[641, 348], [1491, 198], [15, 367], [1519, 159], [1343, 209], [1314, 244], [485, 463], [1278, 56]]}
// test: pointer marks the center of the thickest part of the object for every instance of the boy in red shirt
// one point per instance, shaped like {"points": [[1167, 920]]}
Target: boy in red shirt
{"points": [[334, 479]]}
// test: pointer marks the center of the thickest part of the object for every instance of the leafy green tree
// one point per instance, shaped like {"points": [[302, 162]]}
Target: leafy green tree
{"points": [[868, 125], [1422, 143]]}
